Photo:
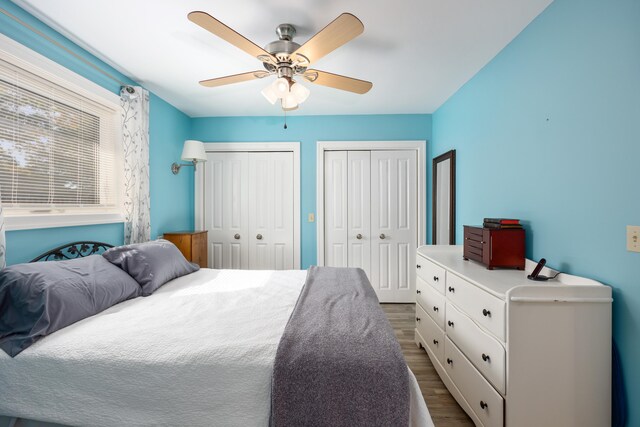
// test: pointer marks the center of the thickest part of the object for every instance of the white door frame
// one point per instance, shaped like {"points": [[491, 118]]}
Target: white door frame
{"points": [[421, 151], [293, 147]]}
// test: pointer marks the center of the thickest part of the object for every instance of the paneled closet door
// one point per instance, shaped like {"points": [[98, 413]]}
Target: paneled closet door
{"points": [[359, 210], [226, 209], [270, 211], [335, 209], [393, 224]]}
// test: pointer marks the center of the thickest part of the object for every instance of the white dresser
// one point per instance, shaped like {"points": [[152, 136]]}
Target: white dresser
{"points": [[514, 352]]}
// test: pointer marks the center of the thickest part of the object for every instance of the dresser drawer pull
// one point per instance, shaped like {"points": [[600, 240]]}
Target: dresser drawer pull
{"points": [[435, 342], [450, 323], [483, 405], [486, 313], [482, 242], [452, 289], [436, 278], [418, 266], [486, 358], [435, 308], [417, 319], [418, 291], [449, 361]]}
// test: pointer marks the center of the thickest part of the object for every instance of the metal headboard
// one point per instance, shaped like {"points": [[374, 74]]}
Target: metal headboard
{"points": [[72, 251]]}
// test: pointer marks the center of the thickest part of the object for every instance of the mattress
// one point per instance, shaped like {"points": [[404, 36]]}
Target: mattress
{"points": [[201, 349]]}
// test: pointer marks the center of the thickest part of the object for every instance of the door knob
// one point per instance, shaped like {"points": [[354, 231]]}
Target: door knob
{"points": [[259, 237], [236, 236], [382, 236], [359, 236]]}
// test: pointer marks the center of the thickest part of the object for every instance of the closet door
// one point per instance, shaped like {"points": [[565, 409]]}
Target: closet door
{"points": [[270, 211], [393, 224], [335, 209], [226, 213], [358, 210]]}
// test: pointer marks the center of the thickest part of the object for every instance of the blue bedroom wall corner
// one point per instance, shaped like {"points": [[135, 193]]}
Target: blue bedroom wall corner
{"points": [[550, 129]]}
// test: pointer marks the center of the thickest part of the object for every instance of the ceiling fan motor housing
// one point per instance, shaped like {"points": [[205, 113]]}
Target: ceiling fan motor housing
{"points": [[282, 50]]}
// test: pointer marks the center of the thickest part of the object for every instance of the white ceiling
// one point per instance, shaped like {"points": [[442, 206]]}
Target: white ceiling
{"points": [[417, 53]]}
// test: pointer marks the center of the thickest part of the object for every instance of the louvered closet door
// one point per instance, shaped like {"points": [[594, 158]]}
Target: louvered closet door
{"points": [[393, 224], [271, 211], [226, 209]]}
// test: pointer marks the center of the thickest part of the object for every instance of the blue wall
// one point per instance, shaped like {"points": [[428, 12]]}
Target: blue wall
{"points": [[307, 130], [171, 196], [548, 131]]}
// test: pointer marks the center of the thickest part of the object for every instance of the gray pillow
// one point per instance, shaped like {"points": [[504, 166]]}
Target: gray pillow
{"points": [[152, 264], [40, 298]]}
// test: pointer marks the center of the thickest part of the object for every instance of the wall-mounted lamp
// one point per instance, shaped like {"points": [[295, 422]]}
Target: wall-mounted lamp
{"points": [[193, 151]]}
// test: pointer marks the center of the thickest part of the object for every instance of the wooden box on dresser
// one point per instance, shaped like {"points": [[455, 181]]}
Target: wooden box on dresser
{"points": [[514, 352]]}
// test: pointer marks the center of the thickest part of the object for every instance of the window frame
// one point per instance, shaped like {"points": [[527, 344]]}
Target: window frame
{"points": [[33, 62]]}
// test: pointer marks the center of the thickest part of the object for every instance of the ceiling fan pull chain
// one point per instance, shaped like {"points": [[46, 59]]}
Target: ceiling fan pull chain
{"points": [[285, 119]]}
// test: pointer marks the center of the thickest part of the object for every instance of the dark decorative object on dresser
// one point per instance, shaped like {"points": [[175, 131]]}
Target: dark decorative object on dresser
{"points": [[495, 247], [192, 244]]}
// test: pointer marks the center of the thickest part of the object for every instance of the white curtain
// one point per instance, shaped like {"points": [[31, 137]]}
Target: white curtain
{"points": [[3, 244], [135, 132]]}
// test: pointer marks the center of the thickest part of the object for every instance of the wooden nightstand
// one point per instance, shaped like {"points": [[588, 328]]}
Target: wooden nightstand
{"points": [[192, 244]]}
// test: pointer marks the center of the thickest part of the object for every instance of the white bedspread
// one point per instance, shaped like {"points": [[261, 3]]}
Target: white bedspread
{"points": [[202, 347]]}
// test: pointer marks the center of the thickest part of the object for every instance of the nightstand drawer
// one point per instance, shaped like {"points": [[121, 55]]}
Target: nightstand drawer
{"points": [[485, 352], [433, 274], [432, 334], [485, 309], [431, 301], [487, 403]]}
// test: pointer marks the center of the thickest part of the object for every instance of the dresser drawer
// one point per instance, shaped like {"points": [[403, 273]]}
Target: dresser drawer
{"points": [[487, 403], [432, 334], [485, 352], [485, 309], [431, 301], [433, 274]]}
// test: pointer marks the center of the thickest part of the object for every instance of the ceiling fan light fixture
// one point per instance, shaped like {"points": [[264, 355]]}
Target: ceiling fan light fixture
{"points": [[281, 87], [289, 102], [270, 94], [299, 92]]}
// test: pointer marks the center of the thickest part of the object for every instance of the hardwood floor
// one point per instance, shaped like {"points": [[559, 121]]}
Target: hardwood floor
{"points": [[443, 408]]}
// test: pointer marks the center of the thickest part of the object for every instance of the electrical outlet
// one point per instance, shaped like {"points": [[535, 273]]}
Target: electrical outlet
{"points": [[633, 238], [312, 217]]}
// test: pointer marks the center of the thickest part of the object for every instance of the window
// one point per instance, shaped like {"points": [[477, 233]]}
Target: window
{"points": [[59, 151]]}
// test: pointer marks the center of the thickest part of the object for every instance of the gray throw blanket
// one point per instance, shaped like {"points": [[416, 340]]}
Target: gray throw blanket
{"points": [[338, 362]]}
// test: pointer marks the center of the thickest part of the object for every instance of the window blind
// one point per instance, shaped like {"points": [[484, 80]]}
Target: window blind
{"points": [[58, 149]]}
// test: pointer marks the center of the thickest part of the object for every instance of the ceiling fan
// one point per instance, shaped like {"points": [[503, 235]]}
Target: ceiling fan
{"points": [[285, 58]]}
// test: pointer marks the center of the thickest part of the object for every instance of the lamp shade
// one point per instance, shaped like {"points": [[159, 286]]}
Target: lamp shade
{"points": [[289, 103], [281, 87], [299, 92], [193, 150], [270, 93]]}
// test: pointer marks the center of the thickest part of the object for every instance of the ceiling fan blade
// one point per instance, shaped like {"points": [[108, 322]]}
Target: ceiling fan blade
{"points": [[216, 27], [337, 81], [236, 78], [344, 28]]}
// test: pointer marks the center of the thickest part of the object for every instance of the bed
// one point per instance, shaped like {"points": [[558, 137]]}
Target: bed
{"points": [[199, 351]]}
